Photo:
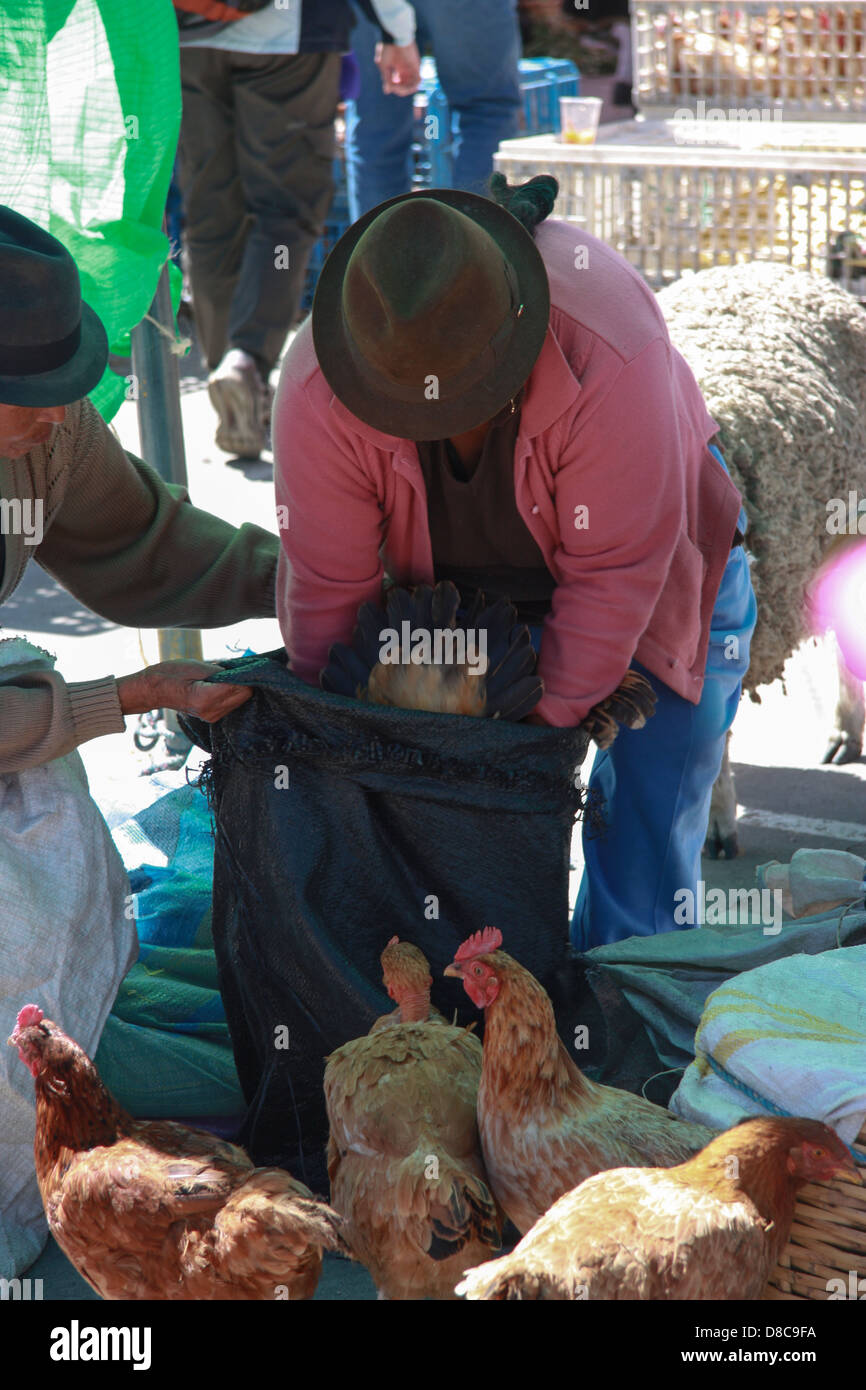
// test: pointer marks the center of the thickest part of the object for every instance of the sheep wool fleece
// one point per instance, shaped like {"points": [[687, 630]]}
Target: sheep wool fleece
{"points": [[657, 782], [780, 357]]}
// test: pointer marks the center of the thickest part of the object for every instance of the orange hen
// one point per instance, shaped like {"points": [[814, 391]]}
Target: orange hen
{"points": [[544, 1126], [403, 1155], [710, 1228], [154, 1209]]}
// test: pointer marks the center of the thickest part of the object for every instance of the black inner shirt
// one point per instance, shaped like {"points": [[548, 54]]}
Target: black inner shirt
{"points": [[479, 538]]}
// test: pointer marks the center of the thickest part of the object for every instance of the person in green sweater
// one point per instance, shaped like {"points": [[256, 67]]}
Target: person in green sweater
{"points": [[98, 519]]}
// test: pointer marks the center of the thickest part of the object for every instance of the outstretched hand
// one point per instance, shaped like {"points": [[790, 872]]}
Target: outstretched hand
{"points": [[182, 686]]}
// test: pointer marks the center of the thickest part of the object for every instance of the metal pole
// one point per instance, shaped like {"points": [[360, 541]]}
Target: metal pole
{"points": [[161, 429]]}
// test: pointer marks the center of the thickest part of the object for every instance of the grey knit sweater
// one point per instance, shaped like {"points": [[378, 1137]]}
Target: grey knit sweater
{"points": [[128, 546]]}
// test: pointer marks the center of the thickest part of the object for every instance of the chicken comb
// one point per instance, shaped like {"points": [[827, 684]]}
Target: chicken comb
{"points": [[490, 939], [30, 1014], [395, 941]]}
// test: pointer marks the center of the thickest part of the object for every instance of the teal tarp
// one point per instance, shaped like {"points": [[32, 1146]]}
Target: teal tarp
{"points": [[165, 1051], [668, 978]]}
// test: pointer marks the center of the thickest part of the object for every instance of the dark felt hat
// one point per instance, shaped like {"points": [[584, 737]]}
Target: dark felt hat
{"points": [[430, 313], [53, 348]]}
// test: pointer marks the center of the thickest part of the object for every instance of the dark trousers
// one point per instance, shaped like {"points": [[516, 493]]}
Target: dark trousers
{"points": [[256, 171]]}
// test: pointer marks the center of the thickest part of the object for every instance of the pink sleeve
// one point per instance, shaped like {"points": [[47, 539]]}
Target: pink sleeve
{"points": [[624, 465], [330, 527]]}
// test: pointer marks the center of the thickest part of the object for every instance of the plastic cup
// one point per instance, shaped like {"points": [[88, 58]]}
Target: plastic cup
{"points": [[578, 119]]}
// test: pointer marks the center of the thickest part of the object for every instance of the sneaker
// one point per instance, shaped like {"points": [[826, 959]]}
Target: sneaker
{"points": [[238, 396]]}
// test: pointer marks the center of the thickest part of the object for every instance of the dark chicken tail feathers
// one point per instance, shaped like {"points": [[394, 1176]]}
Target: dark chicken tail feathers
{"points": [[367, 637], [485, 1217], [328, 1226], [513, 688], [507, 689], [512, 665], [517, 700], [400, 607], [422, 606], [631, 704], [445, 604], [471, 1214], [349, 665], [346, 672]]}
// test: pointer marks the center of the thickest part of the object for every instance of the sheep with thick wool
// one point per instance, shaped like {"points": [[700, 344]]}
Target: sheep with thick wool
{"points": [[780, 355]]}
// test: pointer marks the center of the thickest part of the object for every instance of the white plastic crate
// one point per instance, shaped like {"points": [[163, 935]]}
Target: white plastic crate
{"points": [[807, 58], [670, 206]]}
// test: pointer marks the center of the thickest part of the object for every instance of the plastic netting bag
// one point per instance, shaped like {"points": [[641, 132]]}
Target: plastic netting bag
{"points": [[90, 111], [340, 824], [65, 944]]}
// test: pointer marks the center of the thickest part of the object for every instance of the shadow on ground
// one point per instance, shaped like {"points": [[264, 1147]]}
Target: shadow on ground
{"points": [[40, 605]]}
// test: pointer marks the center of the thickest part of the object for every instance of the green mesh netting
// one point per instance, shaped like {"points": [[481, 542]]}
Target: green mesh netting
{"points": [[89, 118]]}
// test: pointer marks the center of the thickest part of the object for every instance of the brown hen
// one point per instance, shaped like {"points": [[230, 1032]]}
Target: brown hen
{"points": [[710, 1228], [544, 1126], [403, 1156], [156, 1210]]}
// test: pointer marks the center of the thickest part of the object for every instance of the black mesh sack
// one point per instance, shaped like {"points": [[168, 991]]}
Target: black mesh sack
{"points": [[340, 824]]}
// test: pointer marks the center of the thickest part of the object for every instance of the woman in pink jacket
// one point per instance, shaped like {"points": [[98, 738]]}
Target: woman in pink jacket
{"points": [[478, 400]]}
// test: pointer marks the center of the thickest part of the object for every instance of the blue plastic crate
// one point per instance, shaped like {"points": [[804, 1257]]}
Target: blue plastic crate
{"points": [[542, 82], [334, 229], [336, 224]]}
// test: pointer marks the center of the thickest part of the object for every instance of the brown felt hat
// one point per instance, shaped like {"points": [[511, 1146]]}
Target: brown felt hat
{"points": [[430, 313]]}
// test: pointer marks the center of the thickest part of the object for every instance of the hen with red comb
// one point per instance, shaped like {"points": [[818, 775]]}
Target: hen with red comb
{"points": [[31, 1013], [490, 939], [544, 1126], [152, 1209]]}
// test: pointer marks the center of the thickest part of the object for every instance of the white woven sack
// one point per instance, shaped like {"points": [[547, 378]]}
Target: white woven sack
{"points": [[65, 944]]}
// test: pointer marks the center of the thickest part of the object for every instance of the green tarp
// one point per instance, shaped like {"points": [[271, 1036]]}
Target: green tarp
{"points": [[89, 118]]}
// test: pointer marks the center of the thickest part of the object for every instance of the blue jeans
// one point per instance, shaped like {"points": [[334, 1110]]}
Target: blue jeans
{"points": [[476, 44], [656, 783]]}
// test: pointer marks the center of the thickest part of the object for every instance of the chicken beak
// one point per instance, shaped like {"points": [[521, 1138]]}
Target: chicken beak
{"points": [[455, 971], [852, 1172]]}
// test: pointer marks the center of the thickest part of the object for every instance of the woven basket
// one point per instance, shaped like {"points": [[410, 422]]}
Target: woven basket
{"points": [[827, 1241]]}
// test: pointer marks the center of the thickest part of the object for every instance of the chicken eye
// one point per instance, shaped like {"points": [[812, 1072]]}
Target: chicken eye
{"points": [[476, 970], [818, 1153]]}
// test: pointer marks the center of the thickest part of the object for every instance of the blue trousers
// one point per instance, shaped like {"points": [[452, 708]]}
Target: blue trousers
{"points": [[476, 44], [657, 782]]}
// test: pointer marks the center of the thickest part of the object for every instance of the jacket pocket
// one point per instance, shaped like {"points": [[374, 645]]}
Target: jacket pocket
{"points": [[676, 622]]}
